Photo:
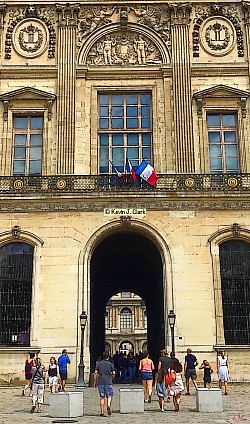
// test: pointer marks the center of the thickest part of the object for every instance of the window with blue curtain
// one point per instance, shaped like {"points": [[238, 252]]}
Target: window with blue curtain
{"points": [[125, 128]]}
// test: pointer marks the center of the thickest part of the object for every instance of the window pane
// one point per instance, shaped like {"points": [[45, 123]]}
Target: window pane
{"points": [[214, 137], [117, 123], [117, 111], [104, 139], [104, 111], [145, 111], [145, 99], [21, 122], [104, 123], [104, 152], [146, 153], [216, 164], [36, 153], [19, 167], [35, 167], [132, 111], [132, 123], [117, 140], [104, 169], [36, 139], [104, 99], [20, 139], [215, 150], [230, 136], [117, 154], [19, 153], [145, 123], [131, 99], [232, 164], [117, 99], [146, 139], [213, 120], [132, 139], [36, 122], [228, 120], [134, 152], [231, 150]]}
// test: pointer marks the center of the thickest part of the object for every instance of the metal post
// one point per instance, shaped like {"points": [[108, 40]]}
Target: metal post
{"points": [[172, 338], [80, 382]]}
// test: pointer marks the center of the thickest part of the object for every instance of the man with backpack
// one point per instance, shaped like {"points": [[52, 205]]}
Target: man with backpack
{"points": [[29, 363]]}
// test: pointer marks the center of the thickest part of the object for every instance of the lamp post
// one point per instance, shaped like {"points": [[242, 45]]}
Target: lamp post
{"points": [[80, 382], [171, 321]]}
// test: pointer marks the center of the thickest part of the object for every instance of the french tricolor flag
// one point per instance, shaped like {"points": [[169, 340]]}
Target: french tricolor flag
{"points": [[129, 168], [147, 172]]}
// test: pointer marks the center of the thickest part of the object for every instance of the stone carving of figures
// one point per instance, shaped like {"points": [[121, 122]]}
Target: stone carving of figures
{"points": [[140, 47], [93, 19], [148, 16], [108, 43]]}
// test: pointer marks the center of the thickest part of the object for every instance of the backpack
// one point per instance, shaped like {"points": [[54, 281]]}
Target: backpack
{"points": [[28, 368], [170, 377]]}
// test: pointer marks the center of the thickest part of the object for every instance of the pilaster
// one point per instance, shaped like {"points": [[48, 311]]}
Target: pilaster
{"points": [[66, 83], [246, 10], [182, 99], [2, 15]]}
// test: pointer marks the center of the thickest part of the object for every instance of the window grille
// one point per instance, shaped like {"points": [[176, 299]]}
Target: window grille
{"points": [[126, 319], [16, 269], [235, 286]]}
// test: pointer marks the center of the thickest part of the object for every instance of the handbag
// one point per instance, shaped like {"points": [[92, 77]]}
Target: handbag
{"points": [[170, 377]]}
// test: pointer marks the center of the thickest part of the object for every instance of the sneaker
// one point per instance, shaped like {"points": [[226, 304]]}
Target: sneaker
{"points": [[187, 394], [39, 410], [23, 392], [32, 409], [108, 410], [145, 400], [168, 399], [149, 398], [162, 410], [101, 414]]}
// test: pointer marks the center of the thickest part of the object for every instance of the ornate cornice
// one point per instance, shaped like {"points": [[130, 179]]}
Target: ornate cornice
{"points": [[68, 14], [180, 13], [246, 10]]}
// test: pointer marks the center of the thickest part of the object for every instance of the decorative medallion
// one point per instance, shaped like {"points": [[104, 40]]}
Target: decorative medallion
{"points": [[30, 38], [124, 49], [217, 36], [232, 182], [18, 184], [61, 184], [189, 182]]}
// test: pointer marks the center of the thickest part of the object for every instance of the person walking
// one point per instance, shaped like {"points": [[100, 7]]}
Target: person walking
{"points": [[63, 361], [222, 370], [29, 363], [38, 375], [177, 387], [189, 369], [165, 361], [52, 373], [146, 369], [207, 373], [131, 364], [161, 388], [103, 380]]}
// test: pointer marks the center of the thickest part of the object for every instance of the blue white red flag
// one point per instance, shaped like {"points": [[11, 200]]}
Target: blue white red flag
{"points": [[147, 172], [129, 168], [120, 174]]}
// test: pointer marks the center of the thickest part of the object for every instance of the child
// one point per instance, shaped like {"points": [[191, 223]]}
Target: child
{"points": [[161, 388], [207, 373]]}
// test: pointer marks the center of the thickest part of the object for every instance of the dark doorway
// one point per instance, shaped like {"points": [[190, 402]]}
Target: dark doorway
{"points": [[126, 261]]}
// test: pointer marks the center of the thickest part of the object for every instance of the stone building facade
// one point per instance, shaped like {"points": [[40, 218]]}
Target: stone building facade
{"points": [[83, 85]]}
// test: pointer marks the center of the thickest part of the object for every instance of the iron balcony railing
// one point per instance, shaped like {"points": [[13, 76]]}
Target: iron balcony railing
{"points": [[58, 184]]}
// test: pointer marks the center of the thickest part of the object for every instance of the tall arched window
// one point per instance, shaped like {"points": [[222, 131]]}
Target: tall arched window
{"points": [[16, 269], [235, 287], [126, 319]]}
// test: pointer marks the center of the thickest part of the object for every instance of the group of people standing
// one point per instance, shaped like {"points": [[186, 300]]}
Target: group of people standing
{"points": [[168, 377], [35, 375]]}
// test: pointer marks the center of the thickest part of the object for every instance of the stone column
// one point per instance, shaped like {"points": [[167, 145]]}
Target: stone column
{"points": [[66, 83], [182, 98]]}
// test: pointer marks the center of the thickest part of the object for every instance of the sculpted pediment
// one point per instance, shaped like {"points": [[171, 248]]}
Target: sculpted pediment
{"points": [[29, 93], [221, 90]]}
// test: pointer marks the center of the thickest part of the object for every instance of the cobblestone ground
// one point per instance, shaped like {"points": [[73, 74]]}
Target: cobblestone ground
{"points": [[236, 408]]}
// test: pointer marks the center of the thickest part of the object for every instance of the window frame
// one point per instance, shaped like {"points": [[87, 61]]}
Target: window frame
{"points": [[126, 316]]}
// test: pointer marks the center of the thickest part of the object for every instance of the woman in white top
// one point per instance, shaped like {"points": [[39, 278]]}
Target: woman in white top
{"points": [[222, 369]]}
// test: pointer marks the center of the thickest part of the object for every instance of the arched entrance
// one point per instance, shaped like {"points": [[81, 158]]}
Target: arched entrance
{"points": [[126, 261]]}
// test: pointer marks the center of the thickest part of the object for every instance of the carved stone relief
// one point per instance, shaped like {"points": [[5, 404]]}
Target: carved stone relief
{"points": [[30, 31], [217, 36], [93, 18], [122, 48], [222, 31]]}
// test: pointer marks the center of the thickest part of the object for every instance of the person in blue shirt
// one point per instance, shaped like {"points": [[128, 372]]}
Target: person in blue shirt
{"points": [[189, 369], [63, 361]]}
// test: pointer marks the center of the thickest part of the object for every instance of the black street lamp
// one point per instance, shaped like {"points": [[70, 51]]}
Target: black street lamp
{"points": [[80, 382], [171, 321]]}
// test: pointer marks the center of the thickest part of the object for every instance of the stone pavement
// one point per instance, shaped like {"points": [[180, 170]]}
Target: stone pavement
{"points": [[16, 409]]}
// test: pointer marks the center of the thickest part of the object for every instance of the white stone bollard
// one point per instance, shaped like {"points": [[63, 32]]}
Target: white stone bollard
{"points": [[131, 401], [66, 404], [209, 400]]}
